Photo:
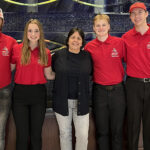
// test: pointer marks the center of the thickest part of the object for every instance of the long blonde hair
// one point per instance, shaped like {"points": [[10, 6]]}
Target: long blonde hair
{"points": [[26, 52]]}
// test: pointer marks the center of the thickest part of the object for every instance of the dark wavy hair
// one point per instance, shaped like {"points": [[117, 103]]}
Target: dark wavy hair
{"points": [[81, 33]]}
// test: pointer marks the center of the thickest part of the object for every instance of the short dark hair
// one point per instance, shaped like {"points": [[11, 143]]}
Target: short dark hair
{"points": [[81, 33]]}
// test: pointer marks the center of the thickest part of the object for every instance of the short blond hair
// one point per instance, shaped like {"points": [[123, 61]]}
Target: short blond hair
{"points": [[101, 17]]}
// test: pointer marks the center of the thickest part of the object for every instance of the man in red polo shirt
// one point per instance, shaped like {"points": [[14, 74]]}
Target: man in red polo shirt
{"points": [[137, 41], [108, 100], [6, 44]]}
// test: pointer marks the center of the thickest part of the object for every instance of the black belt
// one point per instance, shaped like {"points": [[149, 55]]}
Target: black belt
{"points": [[145, 80], [110, 87]]}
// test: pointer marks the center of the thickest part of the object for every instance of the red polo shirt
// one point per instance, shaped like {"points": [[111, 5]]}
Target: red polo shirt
{"points": [[138, 53], [107, 60], [32, 73], [6, 44]]}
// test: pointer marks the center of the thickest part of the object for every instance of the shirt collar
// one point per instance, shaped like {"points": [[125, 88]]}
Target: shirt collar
{"points": [[35, 49], [107, 41], [134, 32]]}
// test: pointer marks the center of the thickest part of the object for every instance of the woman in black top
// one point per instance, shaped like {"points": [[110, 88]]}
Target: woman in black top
{"points": [[73, 68]]}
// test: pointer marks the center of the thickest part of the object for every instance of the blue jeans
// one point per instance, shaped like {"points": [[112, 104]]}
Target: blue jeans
{"points": [[5, 101], [81, 124]]}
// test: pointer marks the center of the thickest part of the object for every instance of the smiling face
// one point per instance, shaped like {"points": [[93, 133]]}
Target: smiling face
{"points": [[101, 27], [75, 42], [138, 16], [33, 33]]}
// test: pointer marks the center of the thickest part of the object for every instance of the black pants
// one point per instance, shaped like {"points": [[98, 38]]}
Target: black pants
{"points": [[109, 109], [138, 108], [29, 112]]}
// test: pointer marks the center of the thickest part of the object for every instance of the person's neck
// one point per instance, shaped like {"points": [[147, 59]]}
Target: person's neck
{"points": [[33, 45], [75, 51], [142, 28], [102, 38]]}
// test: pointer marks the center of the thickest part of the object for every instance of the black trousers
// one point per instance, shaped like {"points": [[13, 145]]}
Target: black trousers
{"points": [[138, 108], [109, 109], [29, 106]]}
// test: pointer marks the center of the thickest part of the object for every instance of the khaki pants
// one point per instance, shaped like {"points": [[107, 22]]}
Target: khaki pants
{"points": [[81, 124]]}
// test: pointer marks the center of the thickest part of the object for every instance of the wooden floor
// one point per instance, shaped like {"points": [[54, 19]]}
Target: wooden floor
{"points": [[50, 134]]}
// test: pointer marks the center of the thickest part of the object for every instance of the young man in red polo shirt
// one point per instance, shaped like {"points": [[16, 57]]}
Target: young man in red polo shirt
{"points": [[108, 99], [137, 41], [6, 44]]}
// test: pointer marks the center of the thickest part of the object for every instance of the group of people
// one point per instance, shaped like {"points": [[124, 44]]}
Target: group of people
{"points": [[71, 69]]}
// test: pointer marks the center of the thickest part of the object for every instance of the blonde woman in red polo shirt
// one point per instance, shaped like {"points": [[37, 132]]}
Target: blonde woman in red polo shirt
{"points": [[108, 91], [137, 41], [33, 66]]}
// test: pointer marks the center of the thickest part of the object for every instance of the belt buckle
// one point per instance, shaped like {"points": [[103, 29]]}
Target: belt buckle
{"points": [[146, 80], [109, 87]]}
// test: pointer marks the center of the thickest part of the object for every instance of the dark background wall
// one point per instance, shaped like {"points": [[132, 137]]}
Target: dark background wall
{"points": [[60, 16]]}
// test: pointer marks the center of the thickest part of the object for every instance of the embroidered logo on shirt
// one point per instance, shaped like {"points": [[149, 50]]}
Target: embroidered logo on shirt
{"points": [[5, 51], [148, 45], [114, 53]]}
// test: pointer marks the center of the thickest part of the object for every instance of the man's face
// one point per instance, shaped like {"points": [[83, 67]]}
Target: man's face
{"points": [[101, 27], [1, 24], [138, 16]]}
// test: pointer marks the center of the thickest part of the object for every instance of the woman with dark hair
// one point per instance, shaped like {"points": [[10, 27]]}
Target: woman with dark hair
{"points": [[33, 66], [72, 67]]}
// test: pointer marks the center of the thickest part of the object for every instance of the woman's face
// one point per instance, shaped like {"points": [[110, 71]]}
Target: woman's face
{"points": [[101, 27], [75, 41], [33, 33]]}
